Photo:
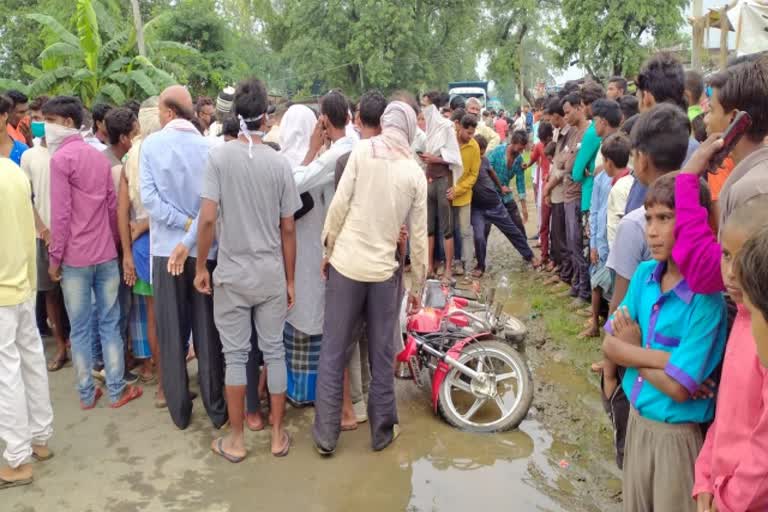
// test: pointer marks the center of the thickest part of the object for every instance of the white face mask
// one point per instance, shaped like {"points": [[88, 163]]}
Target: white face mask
{"points": [[55, 135]]}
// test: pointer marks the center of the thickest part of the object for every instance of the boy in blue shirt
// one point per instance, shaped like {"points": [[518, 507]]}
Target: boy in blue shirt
{"points": [[670, 340]]}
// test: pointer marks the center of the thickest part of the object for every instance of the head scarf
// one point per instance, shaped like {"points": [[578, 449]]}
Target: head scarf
{"points": [[295, 132], [398, 129]]}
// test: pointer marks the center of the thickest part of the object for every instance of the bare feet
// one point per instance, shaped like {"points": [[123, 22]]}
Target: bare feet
{"points": [[348, 419], [13, 477], [254, 421], [589, 332], [597, 367]]}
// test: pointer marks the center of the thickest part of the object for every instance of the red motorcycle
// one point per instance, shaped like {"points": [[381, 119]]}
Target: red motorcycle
{"points": [[463, 352]]}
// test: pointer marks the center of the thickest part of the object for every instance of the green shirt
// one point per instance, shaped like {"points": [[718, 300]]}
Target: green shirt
{"points": [[584, 167]]}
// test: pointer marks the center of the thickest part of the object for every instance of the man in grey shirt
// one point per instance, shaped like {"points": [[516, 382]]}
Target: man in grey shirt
{"points": [[250, 188]]}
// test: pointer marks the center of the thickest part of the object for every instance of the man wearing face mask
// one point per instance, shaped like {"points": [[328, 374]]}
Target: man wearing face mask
{"points": [[172, 171], [83, 251], [36, 164]]}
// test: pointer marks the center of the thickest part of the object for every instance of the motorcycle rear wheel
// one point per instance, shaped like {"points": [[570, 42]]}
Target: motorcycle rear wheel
{"points": [[501, 403]]}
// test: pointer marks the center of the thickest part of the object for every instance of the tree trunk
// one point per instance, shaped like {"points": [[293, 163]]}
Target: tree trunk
{"points": [[139, 25]]}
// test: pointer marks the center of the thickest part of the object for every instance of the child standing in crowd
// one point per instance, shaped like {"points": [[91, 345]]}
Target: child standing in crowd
{"points": [[670, 340], [752, 273], [615, 151], [660, 142], [545, 133]]}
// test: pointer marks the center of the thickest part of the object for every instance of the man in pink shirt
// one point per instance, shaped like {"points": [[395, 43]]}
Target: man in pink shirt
{"points": [[501, 126], [83, 250]]}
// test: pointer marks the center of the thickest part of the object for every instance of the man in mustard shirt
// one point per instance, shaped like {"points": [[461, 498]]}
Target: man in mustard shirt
{"points": [[461, 192], [26, 416]]}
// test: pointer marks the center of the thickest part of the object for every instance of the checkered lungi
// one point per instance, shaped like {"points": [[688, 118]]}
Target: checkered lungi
{"points": [[302, 355]]}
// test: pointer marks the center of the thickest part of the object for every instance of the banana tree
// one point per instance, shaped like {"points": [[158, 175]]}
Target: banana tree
{"points": [[83, 65]]}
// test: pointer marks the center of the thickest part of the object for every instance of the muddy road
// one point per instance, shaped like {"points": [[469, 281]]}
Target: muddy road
{"points": [[134, 459]]}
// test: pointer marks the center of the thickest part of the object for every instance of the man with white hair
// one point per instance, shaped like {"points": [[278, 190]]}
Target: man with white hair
{"points": [[474, 107]]}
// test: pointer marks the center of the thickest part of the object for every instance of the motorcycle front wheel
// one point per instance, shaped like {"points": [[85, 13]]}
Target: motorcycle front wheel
{"points": [[496, 402]]}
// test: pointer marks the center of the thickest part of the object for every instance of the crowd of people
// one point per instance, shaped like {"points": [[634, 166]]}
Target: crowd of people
{"points": [[269, 243]]}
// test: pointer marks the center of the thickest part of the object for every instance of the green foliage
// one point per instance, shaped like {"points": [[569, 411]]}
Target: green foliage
{"points": [[81, 65], [614, 36]]}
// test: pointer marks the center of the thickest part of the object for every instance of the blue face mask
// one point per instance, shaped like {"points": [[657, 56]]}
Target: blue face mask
{"points": [[38, 129]]}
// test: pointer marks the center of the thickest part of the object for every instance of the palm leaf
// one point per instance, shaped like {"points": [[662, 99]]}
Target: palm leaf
{"points": [[154, 23], [57, 28], [7, 84], [106, 14], [88, 32], [83, 74], [121, 77], [162, 78], [116, 65], [32, 70], [60, 49], [173, 47], [47, 80], [113, 45], [145, 83], [112, 92]]}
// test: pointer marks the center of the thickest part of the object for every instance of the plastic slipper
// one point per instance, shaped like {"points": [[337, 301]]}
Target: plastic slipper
{"points": [[322, 451], [131, 393], [234, 459], [42, 457], [7, 484], [288, 443], [57, 364], [96, 397]]}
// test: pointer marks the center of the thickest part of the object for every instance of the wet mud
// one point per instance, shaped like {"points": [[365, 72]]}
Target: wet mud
{"points": [[134, 459]]}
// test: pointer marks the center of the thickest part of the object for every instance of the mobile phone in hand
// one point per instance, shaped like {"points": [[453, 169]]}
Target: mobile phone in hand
{"points": [[731, 137]]}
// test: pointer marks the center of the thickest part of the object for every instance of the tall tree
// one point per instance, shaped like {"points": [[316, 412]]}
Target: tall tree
{"points": [[139, 27], [615, 36]]}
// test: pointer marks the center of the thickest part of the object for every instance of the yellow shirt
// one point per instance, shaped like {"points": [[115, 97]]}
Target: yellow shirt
{"points": [[470, 157], [17, 232]]}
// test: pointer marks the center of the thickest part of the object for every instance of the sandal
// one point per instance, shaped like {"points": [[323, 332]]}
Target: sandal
{"points": [[130, 393], [57, 364], [41, 453], [7, 484], [348, 428], [98, 394], [287, 448], [477, 273], [219, 450], [148, 380]]}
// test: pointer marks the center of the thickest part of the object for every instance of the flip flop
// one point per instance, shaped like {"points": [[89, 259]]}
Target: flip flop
{"points": [[57, 364], [288, 443], [219, 450], [42, 458], [7, 484], [131, 393], [348, 428], [322, 451], [148, 380], [96, 397]]}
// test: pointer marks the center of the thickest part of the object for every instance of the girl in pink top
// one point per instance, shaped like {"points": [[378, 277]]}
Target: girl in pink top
{"points": [[732, 469]]}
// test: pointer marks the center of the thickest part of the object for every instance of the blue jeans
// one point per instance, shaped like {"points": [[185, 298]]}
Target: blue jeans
{"points": [[80, 286]]}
